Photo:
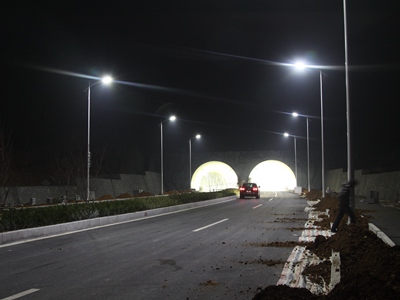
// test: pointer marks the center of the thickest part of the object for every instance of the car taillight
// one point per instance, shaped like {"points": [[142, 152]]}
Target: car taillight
{"points": [[255, 189], [241, 188]]}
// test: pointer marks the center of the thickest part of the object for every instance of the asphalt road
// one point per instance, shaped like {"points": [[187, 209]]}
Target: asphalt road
{"points": [[384, 215], [212, 252]]}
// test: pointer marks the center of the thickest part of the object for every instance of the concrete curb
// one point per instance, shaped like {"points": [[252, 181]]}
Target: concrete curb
{"points": [[380, 234], [47, 231]]}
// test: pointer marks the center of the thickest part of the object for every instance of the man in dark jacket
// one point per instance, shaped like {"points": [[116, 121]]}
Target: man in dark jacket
{"points": [[344, 198]]}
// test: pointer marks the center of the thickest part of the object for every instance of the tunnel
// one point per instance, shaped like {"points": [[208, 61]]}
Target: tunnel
{"points": [[270, 175]]}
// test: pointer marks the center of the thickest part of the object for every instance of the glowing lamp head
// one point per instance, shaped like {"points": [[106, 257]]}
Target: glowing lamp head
{"points": [[300, 65], [295, 114], [198, 136], [172, 118], [286, 134], [107, 80]]}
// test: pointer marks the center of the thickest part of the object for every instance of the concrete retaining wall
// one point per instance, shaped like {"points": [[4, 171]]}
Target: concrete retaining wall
{"points": [[386, 184], [126, 183], [24, 194], [153, 182]]}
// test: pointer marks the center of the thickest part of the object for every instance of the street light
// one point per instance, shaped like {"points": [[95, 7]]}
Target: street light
{"points": [[301, 66], [295, 114], [105, 80], [172, 118], [295, 153], [190, 158], [350, 171]]}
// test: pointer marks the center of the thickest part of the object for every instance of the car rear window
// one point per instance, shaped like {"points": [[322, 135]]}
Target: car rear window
{"points": [[250, 185]]}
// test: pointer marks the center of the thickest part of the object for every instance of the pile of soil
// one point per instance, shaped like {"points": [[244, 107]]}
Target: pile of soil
{"points": [[106, 197], [370, 269], [144, 194], [173, 192], [124, 195]]}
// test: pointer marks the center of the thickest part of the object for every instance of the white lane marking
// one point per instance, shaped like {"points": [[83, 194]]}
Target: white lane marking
{"points": [[257, 206], [198, 229], [276, 194], [19, 295], [271, 199]]}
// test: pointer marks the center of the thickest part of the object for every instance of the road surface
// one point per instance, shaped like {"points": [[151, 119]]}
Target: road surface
{"points": [[212, 252]]}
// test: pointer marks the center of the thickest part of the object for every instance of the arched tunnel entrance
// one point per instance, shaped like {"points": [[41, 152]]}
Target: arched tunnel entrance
{"points": [[214, 176], [273, 175], [270, 175]]}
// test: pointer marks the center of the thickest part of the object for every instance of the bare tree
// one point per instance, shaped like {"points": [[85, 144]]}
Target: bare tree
{"points": [[68, 164], [214, 180], [6, 164]]}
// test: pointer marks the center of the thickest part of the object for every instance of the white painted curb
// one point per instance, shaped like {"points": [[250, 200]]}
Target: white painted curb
{"points": [[380, 234]]}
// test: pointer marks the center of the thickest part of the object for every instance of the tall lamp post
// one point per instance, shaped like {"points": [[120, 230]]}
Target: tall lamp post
{"points": [[300, 65], [350, 171], [105, 80], [295, 153], [190, 158], [294, 114], [172, 118]]}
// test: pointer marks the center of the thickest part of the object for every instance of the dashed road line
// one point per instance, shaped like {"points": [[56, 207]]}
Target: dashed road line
{"points": [[257, 206], [198, 229], [19, 295]]}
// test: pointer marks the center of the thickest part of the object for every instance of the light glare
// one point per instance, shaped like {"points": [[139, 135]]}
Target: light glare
{"points": [[107, 79], [172, 118], [286, 134], [198, 136], [273, 175], [300, 65], [295, 114]]}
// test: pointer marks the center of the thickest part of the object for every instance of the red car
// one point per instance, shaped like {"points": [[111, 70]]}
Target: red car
{"points": [[249, 189]]}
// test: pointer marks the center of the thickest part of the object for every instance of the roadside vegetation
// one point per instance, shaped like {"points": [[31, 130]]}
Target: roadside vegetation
{"points": [[15, 218]]}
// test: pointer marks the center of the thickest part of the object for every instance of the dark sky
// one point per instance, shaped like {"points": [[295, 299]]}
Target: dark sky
{"points": [[210, 64]]}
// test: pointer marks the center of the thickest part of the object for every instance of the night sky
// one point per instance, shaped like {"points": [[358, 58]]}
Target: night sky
{"points": [[212, 65]]}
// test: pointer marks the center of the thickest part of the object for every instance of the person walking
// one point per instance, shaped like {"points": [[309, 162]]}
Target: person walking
{"points": [[344, 207]]}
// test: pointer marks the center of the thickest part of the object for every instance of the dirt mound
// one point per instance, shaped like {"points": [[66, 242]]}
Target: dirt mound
{"points": [[313, 195], [370, 269], [173, 192], [283, 292], [106, 197], [144, 194], [124, 195]]}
